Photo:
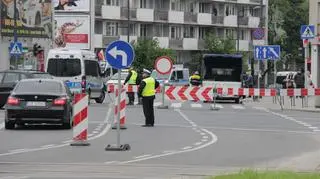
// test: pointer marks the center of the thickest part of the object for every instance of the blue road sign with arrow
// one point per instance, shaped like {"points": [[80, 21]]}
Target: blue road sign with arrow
{"points": [[269, 52], [307, 32], [120, 54], [16, 48]]}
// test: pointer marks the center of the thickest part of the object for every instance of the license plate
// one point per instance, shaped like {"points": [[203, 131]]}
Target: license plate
{"points": [[36, 104]]}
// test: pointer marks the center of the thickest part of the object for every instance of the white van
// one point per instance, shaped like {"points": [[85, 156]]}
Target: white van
{"points": [[71, 65]]}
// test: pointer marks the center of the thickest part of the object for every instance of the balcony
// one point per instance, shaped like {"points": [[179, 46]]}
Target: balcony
{"points": [[124, 13], [161, 15], [163, 41], [190, 44], [145, 15], [132, 39], [243, 21], [98, 10], [176, 17], [176, 44], [204, 18], [254, 22], [106, 40], [111, 12], [201, 44], [217, 20], [230, 21], [190, 17]]}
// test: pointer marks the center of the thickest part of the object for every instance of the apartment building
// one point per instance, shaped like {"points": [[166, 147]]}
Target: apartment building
{"points": [[179, 24]]}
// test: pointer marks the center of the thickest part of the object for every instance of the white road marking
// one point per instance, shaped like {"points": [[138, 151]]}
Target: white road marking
{"points": [[313, 128], [213, 140], [195, 129], [142, 156], [1, 125], [95, 132], [66, 143], [18, 150], [202, 133], [186, 148], [169, 151], [237, 107], [15, 177], [204, 140], [176, 105], [198, 143], [316, 130], [90, 135], [217, 106], [46, 146], [156, 104], [308, 125], [205, 137], [196, 105]]}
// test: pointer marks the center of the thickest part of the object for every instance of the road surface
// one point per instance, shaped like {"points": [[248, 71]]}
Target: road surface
{"points": [[188, 139]]}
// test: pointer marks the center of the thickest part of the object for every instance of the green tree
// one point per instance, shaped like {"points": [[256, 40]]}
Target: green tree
{"points": [[214, 44], [147, 51]]}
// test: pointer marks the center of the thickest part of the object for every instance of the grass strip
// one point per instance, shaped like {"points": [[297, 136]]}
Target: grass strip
{"points": [[251, 174]]}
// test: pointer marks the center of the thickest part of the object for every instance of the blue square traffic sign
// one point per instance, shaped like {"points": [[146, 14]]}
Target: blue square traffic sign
{"points": [[268, 52], [307, 32], [16, 48]]}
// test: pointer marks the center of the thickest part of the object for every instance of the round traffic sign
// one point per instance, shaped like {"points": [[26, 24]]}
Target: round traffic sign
{"points": [[120, 54], [258, 34], [163, 65]]}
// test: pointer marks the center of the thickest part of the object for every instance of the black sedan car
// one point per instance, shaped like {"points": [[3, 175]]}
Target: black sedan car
{"points": [[9, 78], [39, 101]]}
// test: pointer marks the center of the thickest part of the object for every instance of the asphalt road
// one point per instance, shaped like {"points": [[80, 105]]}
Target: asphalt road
{"points": [[188, 139]]}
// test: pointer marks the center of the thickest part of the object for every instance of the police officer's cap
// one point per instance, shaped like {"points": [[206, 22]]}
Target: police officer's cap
{"points": [[146, 71]]}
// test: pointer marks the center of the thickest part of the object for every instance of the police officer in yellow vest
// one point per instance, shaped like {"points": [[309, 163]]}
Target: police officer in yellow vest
{"points": [[132, 79], [147, 90], [195, 79]]}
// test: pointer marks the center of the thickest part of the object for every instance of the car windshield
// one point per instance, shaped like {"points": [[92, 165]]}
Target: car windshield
{"points": [[64, 67], [39, 87], [123, 76], [42, 75]]}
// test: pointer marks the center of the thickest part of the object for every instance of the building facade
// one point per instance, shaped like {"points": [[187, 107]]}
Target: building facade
{"points": [[314, 18], [180, 24]]}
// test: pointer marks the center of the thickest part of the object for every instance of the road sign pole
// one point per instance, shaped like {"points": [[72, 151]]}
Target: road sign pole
{"points": [[306, 54], [119, 108], [15, 32]]}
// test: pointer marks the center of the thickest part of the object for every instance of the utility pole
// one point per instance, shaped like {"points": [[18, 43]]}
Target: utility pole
{"points": [[238, 27], [15, 31], [128, 29]]}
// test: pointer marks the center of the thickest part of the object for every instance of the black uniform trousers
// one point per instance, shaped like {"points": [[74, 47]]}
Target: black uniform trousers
{"points": [[131, 97], [148, 111]]}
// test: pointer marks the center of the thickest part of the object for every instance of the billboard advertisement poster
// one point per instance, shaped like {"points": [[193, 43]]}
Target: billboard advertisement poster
{"points": [[71, 5], [34, 18], [72, 31]]}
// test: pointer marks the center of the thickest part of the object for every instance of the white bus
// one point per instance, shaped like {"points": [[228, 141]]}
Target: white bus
{"points": [[71, 65]]}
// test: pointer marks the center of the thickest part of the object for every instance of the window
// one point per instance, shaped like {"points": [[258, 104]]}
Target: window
{"points": [[177, 75], [189, 32], [230, 33], [175, 32], [113, 2], [64, 67], [11, 78], [39, 87], [143, 3], [230, 10], [143, 30], [91, 68], [112, 29]]}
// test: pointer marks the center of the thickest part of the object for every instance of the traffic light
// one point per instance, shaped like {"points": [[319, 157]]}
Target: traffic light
{"points": [[37, 49]]}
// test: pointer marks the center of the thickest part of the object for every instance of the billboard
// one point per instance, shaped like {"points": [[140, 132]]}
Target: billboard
{"points": [[71, 5], [34, 18], [72, 31]]}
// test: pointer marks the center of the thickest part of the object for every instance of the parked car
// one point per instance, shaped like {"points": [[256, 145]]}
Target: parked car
{"points": [[9, 78], [35, 101]]}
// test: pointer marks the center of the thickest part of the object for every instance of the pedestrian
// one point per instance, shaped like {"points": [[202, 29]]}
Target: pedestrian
{"points": [[147, 91], [299, 79], [195, 79], [131, 79]]}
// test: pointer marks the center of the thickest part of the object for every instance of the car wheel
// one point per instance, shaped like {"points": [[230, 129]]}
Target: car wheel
{"points": [[9, 125], [69, 122], [101, 97]]}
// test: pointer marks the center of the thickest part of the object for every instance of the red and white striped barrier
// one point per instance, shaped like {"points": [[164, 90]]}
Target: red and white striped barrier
{"points": [[80, 120], [122, 109], [185, 93], [129, 88]]}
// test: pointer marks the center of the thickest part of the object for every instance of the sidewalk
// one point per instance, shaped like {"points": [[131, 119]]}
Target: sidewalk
{"points": [[267, 102]]}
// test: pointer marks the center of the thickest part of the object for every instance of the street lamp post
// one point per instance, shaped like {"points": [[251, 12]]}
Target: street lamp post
{"points": [[15, 31], [128, 29]]}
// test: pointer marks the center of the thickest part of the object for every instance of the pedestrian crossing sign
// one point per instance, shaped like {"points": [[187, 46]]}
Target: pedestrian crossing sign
{"points": [[307, 32], [16, 48]]}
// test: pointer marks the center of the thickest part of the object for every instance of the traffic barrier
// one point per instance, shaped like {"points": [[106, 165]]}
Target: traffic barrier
{"points": [[80, 120], [185, 93], [122, 110], [129, 88]]}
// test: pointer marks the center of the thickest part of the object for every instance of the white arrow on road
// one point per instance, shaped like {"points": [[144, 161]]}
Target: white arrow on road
{"points": [[274, 52], [114, 52], [264, 52], [257, 52]]}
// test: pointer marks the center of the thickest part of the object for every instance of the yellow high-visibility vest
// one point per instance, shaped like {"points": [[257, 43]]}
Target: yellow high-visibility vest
{"points": [[149, 88], [133, 78]]}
